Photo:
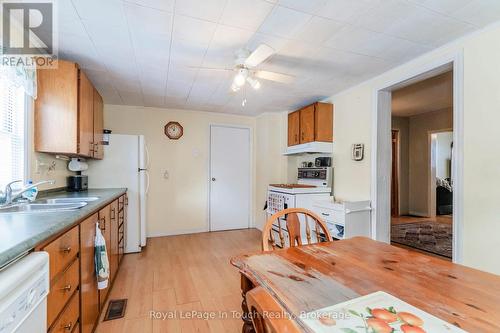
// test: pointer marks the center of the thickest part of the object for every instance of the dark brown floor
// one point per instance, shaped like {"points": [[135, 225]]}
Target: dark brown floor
{"points": [[403, 219]]}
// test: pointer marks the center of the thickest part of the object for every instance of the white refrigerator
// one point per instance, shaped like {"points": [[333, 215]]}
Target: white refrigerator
{"points": [[125, 164]]}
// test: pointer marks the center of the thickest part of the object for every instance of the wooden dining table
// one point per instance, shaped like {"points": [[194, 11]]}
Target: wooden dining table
{"points": [[307, 278]]}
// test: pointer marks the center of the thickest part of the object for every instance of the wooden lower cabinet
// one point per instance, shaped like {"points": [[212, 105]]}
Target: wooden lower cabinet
{"points": [[105, 226], [89, 293], [113, 249], [69, 317], [62, 290], [74, 303]]}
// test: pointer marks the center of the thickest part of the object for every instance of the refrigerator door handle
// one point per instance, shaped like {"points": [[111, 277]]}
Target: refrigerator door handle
{"points": [[147, 155], [147, 184]]}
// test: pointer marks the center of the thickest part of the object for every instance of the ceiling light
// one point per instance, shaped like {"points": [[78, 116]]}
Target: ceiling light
{"points": [[234, 87], [241, 77], [244, 102], [254, 83], [239, 80]]}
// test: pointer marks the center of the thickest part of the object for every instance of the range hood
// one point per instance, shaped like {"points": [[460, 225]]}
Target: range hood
{"points": [[311, 148]]}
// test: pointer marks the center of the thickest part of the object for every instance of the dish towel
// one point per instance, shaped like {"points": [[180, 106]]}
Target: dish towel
{"points": [[101, 259]]}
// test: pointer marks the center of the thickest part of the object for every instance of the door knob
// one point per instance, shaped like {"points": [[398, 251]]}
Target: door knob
{"points": [[213, 179]]}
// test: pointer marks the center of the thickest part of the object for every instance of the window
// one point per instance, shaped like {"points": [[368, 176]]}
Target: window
{"points": [[12, 133]]}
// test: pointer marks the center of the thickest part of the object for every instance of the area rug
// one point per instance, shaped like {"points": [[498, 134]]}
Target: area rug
{"points": [[426, 236]]}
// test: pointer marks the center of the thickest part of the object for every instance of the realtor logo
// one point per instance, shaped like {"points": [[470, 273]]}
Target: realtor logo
{"points": [[28, 34]]}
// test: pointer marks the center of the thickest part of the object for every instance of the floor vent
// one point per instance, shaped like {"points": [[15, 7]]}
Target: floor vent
{"points": [[116, 309]]}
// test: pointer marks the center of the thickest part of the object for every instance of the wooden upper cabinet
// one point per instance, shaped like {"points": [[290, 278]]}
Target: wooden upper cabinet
{"points": [[56, 109], [98, 125], [85, 116], [311, 123], [307, 124], [294, 128], [64, 112], [323, 122]]}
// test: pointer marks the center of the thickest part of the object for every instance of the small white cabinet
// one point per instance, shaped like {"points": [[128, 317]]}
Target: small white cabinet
{"points": [[345, 220]]}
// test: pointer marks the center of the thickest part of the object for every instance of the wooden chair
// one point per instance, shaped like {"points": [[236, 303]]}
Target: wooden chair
{"points": [[293, 225], [267, 315]]}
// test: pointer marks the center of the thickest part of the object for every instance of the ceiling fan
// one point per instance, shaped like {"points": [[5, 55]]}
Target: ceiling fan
{"points": [[246, 63], [246, 72]]}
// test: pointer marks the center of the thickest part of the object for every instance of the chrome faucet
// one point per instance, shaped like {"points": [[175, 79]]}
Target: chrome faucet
{"points": [[8, 196]]}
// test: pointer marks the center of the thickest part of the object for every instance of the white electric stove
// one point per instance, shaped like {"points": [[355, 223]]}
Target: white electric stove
{"points": [[313, 184]]}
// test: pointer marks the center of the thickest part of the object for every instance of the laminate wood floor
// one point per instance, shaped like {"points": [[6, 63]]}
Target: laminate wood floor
{"points": [[182, 275]]}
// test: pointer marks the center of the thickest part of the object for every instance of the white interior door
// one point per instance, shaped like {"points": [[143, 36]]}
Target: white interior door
{"points": [[229, 178]]}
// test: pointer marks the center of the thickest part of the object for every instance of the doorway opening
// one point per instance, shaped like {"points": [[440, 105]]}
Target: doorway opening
{"points": [[409, 179], [421, 181]]}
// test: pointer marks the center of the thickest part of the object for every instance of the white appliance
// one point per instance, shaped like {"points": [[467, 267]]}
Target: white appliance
{"points": [[125, 164], [345, 219], [24, 286], [313, 184]]}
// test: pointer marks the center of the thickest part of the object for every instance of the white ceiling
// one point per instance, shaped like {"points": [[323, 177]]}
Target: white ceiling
{"points": [[141, 52], [435, 93]]}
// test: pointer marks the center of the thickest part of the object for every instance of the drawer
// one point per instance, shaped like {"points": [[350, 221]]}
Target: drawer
{"points": [[69, 318], [62, 251], [330, 215], [61, 291]]}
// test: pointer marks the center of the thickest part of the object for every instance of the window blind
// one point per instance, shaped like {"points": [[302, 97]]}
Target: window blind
{"points": [[12, 128]]}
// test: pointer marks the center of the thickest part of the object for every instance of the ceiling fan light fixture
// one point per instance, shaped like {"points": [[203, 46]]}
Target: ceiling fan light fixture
{"points": [[254, 83], [234, 87], [239, 80]]}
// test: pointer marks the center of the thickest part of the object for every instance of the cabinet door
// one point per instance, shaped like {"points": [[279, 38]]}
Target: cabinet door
{"points": [[88, 284], [113, 260], [105, 226], [324, 122], [293, 128], [98, 125], [85, 116], [56, 109], [307, 124]]}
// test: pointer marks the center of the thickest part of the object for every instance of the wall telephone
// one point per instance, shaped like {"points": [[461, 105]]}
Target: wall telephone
{"points": [[358, 150]]}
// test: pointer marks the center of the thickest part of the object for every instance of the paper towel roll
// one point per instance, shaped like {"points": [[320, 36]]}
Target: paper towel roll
{"points": [[76, 165]]}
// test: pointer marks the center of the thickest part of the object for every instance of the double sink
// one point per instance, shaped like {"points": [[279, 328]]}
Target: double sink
{"points": [[49, 205]]}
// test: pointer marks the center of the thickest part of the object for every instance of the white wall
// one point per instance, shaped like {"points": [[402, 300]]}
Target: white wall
{"points": [[178, 204], [353, 118], [443, 154], [271, 166]]}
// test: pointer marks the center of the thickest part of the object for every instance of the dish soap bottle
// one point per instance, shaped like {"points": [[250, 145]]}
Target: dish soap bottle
{"points": [[32, 193]]}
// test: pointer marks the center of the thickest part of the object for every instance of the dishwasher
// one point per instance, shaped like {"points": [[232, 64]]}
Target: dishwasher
{"points": [[24, 286]]}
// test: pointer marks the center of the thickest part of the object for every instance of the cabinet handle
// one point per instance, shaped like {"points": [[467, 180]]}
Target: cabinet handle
{"points": [[126, 201], [103, 221], [325, 214], [66, 288], [302, 135], [113, 213], [68, 327], [91, 146], [66, 249]]}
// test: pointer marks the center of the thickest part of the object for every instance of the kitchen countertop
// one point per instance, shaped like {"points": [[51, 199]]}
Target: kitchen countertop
{"points": [[22, 232]]}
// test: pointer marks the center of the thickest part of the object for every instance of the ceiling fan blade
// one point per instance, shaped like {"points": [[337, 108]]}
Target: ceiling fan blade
{"points": [[261, 53], [212, 68], [273, 76]]}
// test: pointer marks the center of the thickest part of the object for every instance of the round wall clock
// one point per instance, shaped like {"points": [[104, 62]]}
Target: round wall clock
{"points": [[173, 130]]}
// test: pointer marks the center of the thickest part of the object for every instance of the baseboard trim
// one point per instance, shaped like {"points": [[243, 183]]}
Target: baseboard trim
{"points": [[419, 214], [177, 232]]}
